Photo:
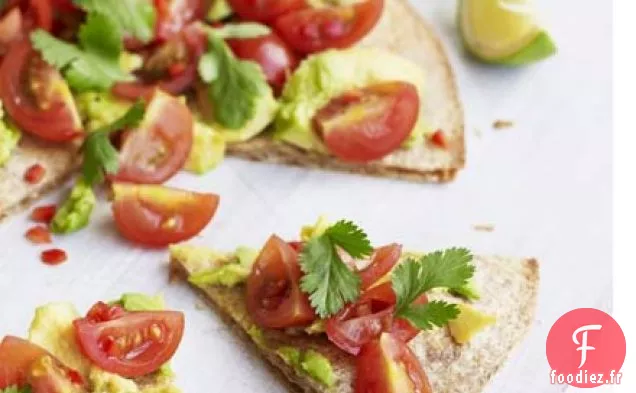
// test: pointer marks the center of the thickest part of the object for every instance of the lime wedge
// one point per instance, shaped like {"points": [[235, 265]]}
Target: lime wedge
{"points": [[503, 32]]}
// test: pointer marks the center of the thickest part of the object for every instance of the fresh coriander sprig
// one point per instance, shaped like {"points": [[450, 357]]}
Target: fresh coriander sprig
{"points": [[135, 17], [449, 269], [94, 64], [100, 156], [234, 86], [328, 280]]}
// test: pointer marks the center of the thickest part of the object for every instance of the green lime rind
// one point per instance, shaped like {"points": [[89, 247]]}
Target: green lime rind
{"points": [[541, 48]]}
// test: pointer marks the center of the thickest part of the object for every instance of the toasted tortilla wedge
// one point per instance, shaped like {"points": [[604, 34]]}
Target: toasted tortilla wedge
{"points": [[59, 161], [401, 30], [508, 289]]}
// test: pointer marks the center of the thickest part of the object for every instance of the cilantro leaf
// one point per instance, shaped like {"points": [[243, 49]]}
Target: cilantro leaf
{"points": [[100, 156], [450, 269], [350, 238], [135, 17], [236, 85], [15, 389], [430, 315], [328, 280], [94, 65]]}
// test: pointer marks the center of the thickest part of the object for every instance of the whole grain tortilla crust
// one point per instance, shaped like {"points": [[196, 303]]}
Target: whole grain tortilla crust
{"points": [[508, 287], [401, 30], [59, 161]]}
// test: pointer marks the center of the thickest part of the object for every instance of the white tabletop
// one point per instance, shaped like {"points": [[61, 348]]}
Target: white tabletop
{"points": [[545, 185]]}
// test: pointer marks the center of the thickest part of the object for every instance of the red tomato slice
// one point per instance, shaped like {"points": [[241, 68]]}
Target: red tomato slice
{"points": [[382, 262], [274, 297], [36, 96], [264, 10], [387, 365], [314, 30], [363, 321], [16, 356], [181, 52], [173, 15], [367, 124], [160, 146], [133, 345], [275, 58], [24, 363], [11, 25], [42, 13], [157, 216]]}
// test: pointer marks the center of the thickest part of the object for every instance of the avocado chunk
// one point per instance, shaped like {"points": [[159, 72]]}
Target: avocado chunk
{"points": [[142, 302], [208, 149], [257, 336], [197, 258], [105, 382], [230, 271], [309, 232], [327, 75], [309, 362], [52, 329], [468, 323], [75, 212], [9, 139], [98, 109]]}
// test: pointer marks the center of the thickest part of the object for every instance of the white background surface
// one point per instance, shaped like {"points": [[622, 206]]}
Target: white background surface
{"points": [[545, 184]]}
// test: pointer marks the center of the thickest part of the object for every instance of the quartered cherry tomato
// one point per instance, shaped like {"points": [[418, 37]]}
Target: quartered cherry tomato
{"points": [[171, 67], [274, 297], [133, 345], [102, 312], [174, 15], [365, 320], [367, 124], [387, 365], [271, 53], [157, 216], [36, 96], [24, 363], [382, 261], [157, 149], [11, 25], [312, 30], [264, 10]]}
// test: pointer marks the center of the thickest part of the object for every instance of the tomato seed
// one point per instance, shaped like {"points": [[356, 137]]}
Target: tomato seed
{"points": [[439, 139], [38, 235], [34, 174], [43, 214], [155, 331], [53, 256]]}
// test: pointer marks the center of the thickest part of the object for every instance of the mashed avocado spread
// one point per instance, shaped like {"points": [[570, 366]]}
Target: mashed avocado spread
{"points": [[308, 362], [75, 212], [9, 138], [227, 270], [329, 74]]}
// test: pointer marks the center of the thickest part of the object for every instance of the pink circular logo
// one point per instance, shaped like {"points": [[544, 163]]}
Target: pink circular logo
{"points": [[586, 348]]}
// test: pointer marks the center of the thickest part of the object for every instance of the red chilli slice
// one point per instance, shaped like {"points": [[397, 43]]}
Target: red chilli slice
{"points": [[34, 174], [439, 139], [43, 214], [39, 235], [54, 257]]}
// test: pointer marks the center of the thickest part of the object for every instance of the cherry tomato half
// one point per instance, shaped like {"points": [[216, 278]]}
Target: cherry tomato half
{"points": [[312, 30], [271, 53], [264, 10], [160, 146], [36, 96], [133, 345], [387, 365], [382, 261], [274, 297], [157, 216], [365, 320], [16, 355], [367, 124], [11, 25]]}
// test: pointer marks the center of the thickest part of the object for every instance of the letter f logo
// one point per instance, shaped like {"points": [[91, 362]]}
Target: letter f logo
{"points": [[583, 344]]}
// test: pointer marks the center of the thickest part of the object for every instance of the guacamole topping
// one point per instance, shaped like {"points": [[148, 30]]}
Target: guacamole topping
{"points": [[208, 149], [9, 138], [75, 212], [219, 10], [326, 75], [468, 323], [196, 258], [230, 271], [309, 362], [100, 109], [257, 336], [309, 232], [142, 302]]}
